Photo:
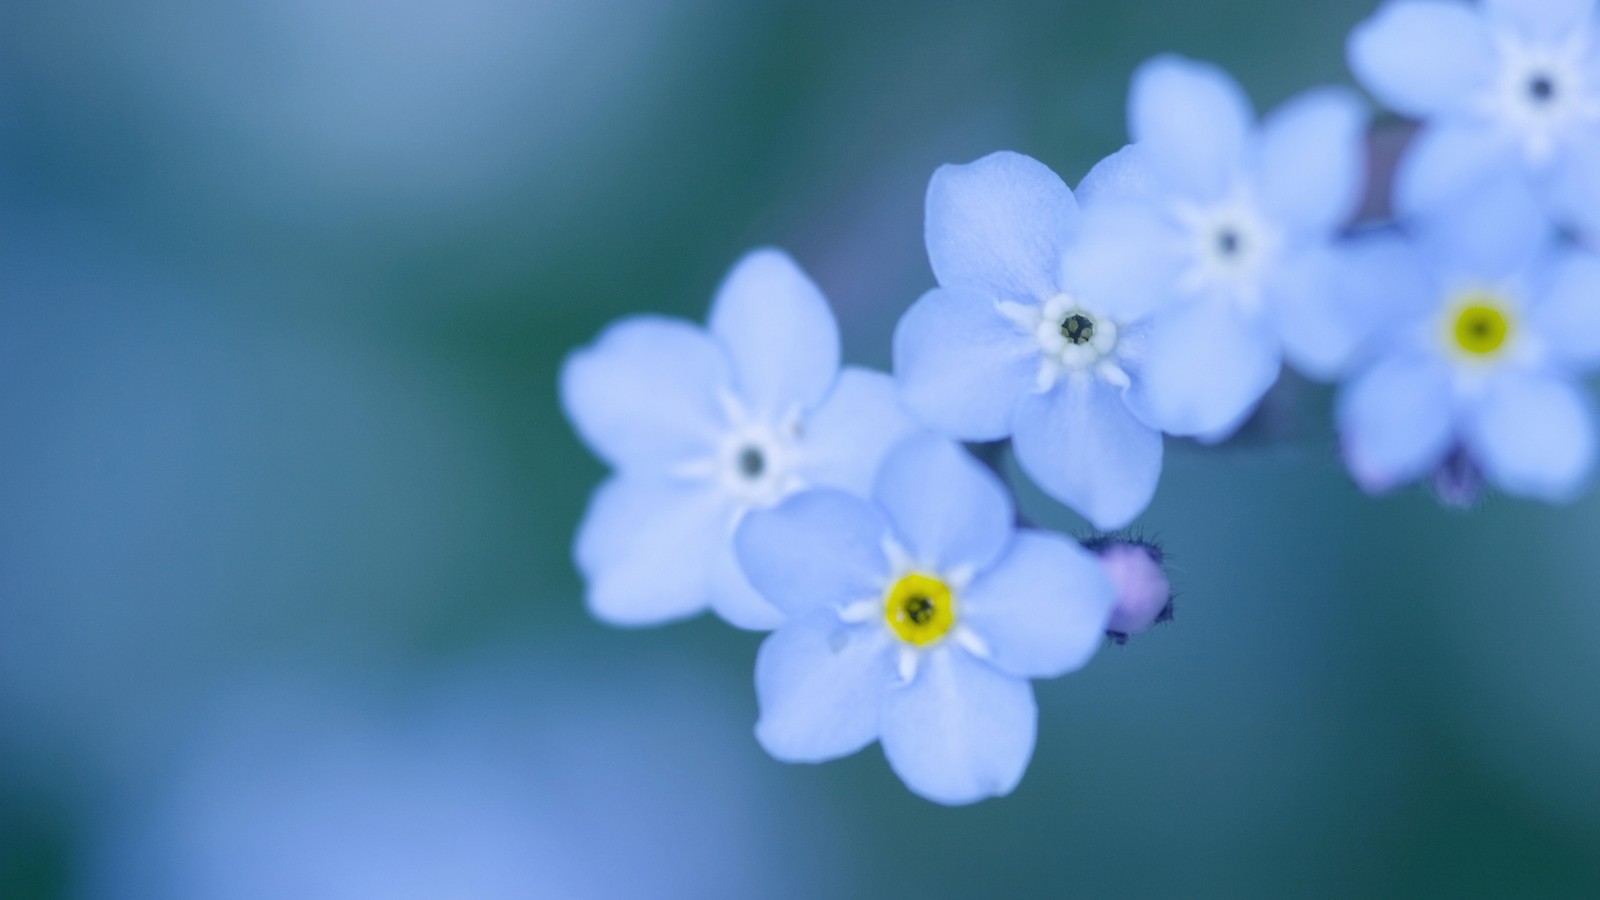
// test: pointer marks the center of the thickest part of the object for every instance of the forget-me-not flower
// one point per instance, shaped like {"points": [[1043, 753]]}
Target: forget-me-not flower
{"points": [[1220, 227], [917, 619], [1473, 335], [1005, 346], [1505, 85], [703, 425]]}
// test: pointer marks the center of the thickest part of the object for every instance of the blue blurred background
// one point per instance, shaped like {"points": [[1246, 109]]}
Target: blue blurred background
{"points": [[286, 500]]}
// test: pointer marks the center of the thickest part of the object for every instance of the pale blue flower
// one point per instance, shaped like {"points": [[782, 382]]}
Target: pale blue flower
{"points": [[916, 619], [1222, 229], [1503, 85], [704, 425], [1005, 347], [1467, 341]]}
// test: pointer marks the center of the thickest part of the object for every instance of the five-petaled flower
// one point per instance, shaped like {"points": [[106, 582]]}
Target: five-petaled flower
{"points": [[916, 619], [1222, 230], [704, 425], [1506, 87], [1470, 337]]}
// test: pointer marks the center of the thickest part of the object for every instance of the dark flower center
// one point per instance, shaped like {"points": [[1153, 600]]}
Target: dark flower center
{"points": [[919, 609], [1078, 328], [752, 463], [1541, 88], [1228, 242]]}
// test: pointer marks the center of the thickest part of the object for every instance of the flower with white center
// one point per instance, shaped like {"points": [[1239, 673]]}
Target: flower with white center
{"points": [[704, 425], [1505, 86], [1005, 347], [1220, 228], [916, 619], [1472, 336]]}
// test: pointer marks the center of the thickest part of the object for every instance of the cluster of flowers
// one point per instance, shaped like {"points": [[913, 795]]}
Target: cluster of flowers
{"points": [[836, 508]]}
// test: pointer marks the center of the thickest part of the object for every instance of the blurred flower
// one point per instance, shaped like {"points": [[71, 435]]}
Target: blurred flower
{"points": [[1004, 346], [1509, 85], [705, 425], [506, 782], [1485, 324], [917, 619], [1220, 227]]}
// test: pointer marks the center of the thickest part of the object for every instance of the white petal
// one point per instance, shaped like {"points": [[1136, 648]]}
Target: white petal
{"points": [[820, 684], [1203, 366], [1082, 445], [778, 331], [649, 549], [817, 549], [961, 365], [644, 394], [1311, 160], [1193, 121], [996, 226], [1421, 57], [1534, 436], [1042, 610], [947, 509], [961, 731], [1568, 317], [846, 439], [1395, 421]]}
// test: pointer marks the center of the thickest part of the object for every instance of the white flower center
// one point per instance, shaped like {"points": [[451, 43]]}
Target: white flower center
{"points": [[1229, 246], [1543, 91], [1072, 338], [756, 463]]}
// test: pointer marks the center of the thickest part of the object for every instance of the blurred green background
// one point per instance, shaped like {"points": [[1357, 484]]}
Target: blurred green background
{"points": [[286, 499]]}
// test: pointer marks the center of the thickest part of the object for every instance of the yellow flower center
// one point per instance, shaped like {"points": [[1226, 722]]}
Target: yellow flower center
{"points": [[1482, 326], [920, 608]]}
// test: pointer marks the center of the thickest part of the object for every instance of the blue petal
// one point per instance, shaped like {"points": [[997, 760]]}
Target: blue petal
{"points": [[1081, 445], [1124, 175], [1395, 421], [961, 365], [1534, 436], [1568, 317], [1042, 610], [961, 731], [995, 226], [1493, 233], [1202, 367], [1572, 189], [1193, 121], [1126, 260], [644, 394], [734, 599], [1447, 160], [847, 438], [649, 549], [778, 332], [1421, 57], [1311, 160], [820, 684], [1334, 303], [947, 509], [1547, 19], [817, 549]]}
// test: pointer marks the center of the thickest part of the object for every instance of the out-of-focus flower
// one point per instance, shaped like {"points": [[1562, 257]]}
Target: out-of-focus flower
{"points": [[1221, 227], [1004, 346], [1508, 85], [704, 425], [1479, 327], [916, 619]]}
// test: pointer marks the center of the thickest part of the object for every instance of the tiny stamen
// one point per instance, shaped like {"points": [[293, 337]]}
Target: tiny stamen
{"points": [[1078, 328], [1541, 88], [752, 462], [1228, 242]]}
